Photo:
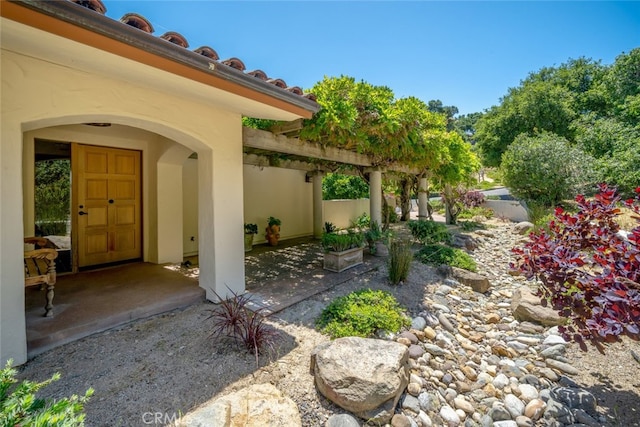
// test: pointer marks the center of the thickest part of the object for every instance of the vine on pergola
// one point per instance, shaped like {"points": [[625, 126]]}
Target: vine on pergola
{"points": [[392, 132]]}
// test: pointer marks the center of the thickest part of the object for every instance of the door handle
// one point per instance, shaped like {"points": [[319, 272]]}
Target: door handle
{"points": [[83, 213]]}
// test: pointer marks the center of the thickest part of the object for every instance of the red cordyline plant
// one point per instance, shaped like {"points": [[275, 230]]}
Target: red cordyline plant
{"points": [[589, 269]]}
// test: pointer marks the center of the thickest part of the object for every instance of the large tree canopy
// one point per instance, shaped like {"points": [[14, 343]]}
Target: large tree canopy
{"points": [[594, 107]]}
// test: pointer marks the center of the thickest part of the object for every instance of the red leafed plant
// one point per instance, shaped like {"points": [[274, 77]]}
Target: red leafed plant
{"points": [[589, 269]]}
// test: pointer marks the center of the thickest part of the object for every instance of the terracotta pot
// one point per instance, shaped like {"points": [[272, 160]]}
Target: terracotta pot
{"points": [[273, 235]]}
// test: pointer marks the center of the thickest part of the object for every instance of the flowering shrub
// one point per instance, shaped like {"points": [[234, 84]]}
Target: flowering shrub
{"points": [[589, 269], [472, 199]]}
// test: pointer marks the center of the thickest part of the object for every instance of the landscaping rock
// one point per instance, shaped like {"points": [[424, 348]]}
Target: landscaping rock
{"points": [[478, 282], [364, 376], [523, 227], [257, 405], [525, 306]]}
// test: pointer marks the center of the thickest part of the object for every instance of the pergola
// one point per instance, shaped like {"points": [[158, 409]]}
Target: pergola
{"points": [[282, 139]]}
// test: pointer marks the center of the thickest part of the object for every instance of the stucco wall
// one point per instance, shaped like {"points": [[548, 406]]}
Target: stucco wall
{"points": [[342, 212], [42, 95], [510, 209], [190, 207], [282, 193]]}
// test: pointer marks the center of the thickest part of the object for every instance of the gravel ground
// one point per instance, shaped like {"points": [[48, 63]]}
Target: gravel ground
{"points": [[151, 371]]}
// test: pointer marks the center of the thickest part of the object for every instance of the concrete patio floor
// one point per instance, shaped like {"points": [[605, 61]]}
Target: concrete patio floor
{"points": [[94, 301]]}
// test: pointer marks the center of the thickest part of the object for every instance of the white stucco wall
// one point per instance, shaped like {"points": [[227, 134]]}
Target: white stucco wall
{"points": [[190, 207], [281, 193], [342, 212], [39, 94], [510, 209]]}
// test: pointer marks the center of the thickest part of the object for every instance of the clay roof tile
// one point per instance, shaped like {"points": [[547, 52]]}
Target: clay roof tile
{"points": [[235, 63], [95, 5], [208, 52], [175, 38], [137, 21]]}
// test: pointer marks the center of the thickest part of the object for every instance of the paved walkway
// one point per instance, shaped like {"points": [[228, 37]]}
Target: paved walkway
{"points": [[278, 277]]}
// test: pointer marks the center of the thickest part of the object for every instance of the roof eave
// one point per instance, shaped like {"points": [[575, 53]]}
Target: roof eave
{"points": [[105, 26]]}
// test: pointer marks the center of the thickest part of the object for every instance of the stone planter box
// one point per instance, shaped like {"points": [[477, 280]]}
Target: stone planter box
{"points": [[340, 261]]}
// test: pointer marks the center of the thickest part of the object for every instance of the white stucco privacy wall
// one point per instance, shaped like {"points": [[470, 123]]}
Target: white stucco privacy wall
{"points": [[281, 193], [342, 212], [41, 95]]}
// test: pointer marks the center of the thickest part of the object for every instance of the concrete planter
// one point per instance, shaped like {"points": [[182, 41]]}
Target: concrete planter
{"points": [[248, 242], [340, 261]]}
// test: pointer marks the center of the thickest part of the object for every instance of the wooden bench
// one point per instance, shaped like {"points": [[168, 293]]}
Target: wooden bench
{"points": [[40, 269]]}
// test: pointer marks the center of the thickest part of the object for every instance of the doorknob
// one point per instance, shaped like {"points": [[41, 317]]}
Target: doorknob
{"points": [[83, 213]]}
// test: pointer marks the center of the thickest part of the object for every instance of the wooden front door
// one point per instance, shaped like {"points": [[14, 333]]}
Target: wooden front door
{"points": [[106, 204]]}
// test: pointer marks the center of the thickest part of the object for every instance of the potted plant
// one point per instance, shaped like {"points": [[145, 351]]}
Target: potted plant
{"points": [[273, 231], [342, 250], [376, 240], [249, 231]]}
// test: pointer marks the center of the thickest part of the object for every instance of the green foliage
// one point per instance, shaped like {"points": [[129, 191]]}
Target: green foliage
{"points": [[329, 227], [437, 254], [469, 213], [271, 221], [339, 242], [361, 314], [361, 222], [263, 124], [20, 407], [389, 215], [471, 225], [52, 196], [428, 232], [338, 186], [400, 257], [250, 228], [546, 169]]}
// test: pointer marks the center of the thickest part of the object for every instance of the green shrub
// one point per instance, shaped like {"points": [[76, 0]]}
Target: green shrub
{"points": [[400, 257], [441, 254], [20, 407], [429, 232], [361, 314], [437, 206], [338, 242], [390, 212], [477, 211], [362, 221], [546, 168]]}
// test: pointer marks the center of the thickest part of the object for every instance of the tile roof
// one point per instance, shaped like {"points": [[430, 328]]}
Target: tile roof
{"points": [[140, 22]]}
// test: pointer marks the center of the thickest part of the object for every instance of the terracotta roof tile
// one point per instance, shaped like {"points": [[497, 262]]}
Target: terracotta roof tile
{"points": [[235, 63], [95, 5], [140, 22], [295, 89], [137, 21], [208, 52], [175, 38], [278, 82], [259, 74]]}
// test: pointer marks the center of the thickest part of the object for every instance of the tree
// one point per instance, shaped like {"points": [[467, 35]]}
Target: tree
{"points": [[339, 186], [545, 168], [589, 270]]}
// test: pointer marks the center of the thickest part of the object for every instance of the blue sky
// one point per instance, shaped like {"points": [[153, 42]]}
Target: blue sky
{"points": [[465, 53]]}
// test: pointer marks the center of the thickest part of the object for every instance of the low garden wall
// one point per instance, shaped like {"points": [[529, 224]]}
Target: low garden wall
{"points": [[509, 209]]}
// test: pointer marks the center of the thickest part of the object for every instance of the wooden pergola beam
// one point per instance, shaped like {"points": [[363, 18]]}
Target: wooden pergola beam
{"points": [[265, 140]]}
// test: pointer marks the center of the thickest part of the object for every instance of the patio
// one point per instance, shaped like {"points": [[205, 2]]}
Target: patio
{"points": [[98, 300]]}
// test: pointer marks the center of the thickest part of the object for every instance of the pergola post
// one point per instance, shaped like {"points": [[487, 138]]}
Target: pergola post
{"points": [[423, 199], [318, 214], [375, 195]]}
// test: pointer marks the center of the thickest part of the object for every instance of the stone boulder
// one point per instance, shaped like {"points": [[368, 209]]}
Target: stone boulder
{"points": [[362, 375], [478, 282], [260, 405], [523, 227], [526, 307]]}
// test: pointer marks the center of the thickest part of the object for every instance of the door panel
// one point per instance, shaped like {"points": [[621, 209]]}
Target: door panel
{"points": [[108, 204]]}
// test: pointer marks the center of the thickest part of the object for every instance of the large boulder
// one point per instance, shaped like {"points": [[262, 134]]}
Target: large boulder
{"points": [[260, 405], [478, 282], [526, 307], [364, 376]]}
